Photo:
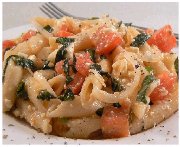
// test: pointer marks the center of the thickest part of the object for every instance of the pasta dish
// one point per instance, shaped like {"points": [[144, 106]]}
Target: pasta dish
{"points": [[98, 78]]}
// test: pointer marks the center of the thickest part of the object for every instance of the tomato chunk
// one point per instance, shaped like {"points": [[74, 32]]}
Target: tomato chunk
{"points": [[8, 44], [163, 38], [77, 83], [165, 87], [83, 63], [59, 67], [106, 40], [28, 35], [64, 34], [114, 122]]}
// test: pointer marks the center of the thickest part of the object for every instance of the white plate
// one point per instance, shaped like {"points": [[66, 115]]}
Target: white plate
{"points": [[18, 132]]}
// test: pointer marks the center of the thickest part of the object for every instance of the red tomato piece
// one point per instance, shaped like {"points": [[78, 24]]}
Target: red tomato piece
{"points": [[83, 63], [28, 35], [64, 34], [8, 44], [114, 122], [163, 38], [77, 83], [59, 67], [166, 85], [105, 40]]}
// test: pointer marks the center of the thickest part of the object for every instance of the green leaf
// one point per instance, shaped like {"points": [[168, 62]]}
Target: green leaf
{"points": [[68, 95], [64, 40], [99, 111], [149, 69], [176, 65], [92, 54], [48, 28], [128, 24], [116, 86], [19, 61], [21, 92], [45, 95], [61, 54], [74, 64], [68, 79], [141, 97], [139, 40]]}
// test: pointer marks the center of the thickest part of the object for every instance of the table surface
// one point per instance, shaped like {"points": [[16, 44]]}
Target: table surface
{"points": [[153, 15]]}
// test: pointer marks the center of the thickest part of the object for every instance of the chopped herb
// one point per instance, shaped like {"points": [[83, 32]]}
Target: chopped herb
{"points": [[96, 67], [68, 79], [45, 95], [116, 86], [64, 40], [176, 65], [19, 61], [21, 92], [46, 65], [116, 105], [103, 57], [145, 85], [139, 40], [74, 64], [64, 120], [68, 95], [128, 24], [61, 54], [92, 54], [99, 111], [149, 69], [93, 18], [66, 66], [48, 28]]}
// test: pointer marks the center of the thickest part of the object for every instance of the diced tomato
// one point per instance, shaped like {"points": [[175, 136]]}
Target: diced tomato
{"points": [[28, 35], [77, 83], [166, 85], [106, 40], [163, 38], [114, 122], [64, 34], [59, 67], [149, 31], [83, 63], [8, 44]]}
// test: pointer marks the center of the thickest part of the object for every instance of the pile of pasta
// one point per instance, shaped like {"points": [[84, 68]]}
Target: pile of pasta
{"points": [[90, 79]]}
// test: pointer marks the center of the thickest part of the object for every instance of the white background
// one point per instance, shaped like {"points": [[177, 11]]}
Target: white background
{"points": [[153, 15]]}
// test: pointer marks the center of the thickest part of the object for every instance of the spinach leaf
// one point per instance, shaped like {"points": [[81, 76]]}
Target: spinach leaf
{"points": [[19, 61], [45, 95], [140, 39], [61, 54], [48, 28], [116, 86], [64, 40], [74, 64], [68, 95], [176, 65], [21, 92], [92, 54], [99, 111], [141, 97]]}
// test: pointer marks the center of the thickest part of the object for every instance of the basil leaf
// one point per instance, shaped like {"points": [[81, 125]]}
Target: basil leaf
{"points": [[99, 111], [141, 97], [48, 28], [21, 92], [45, 95], [116, 86], [19, 61], [68, 95], [176, 65], [92, 54], [68, 79], [61, 54], [140, 39], [64, 40], [128, 24], [74, 64]]}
